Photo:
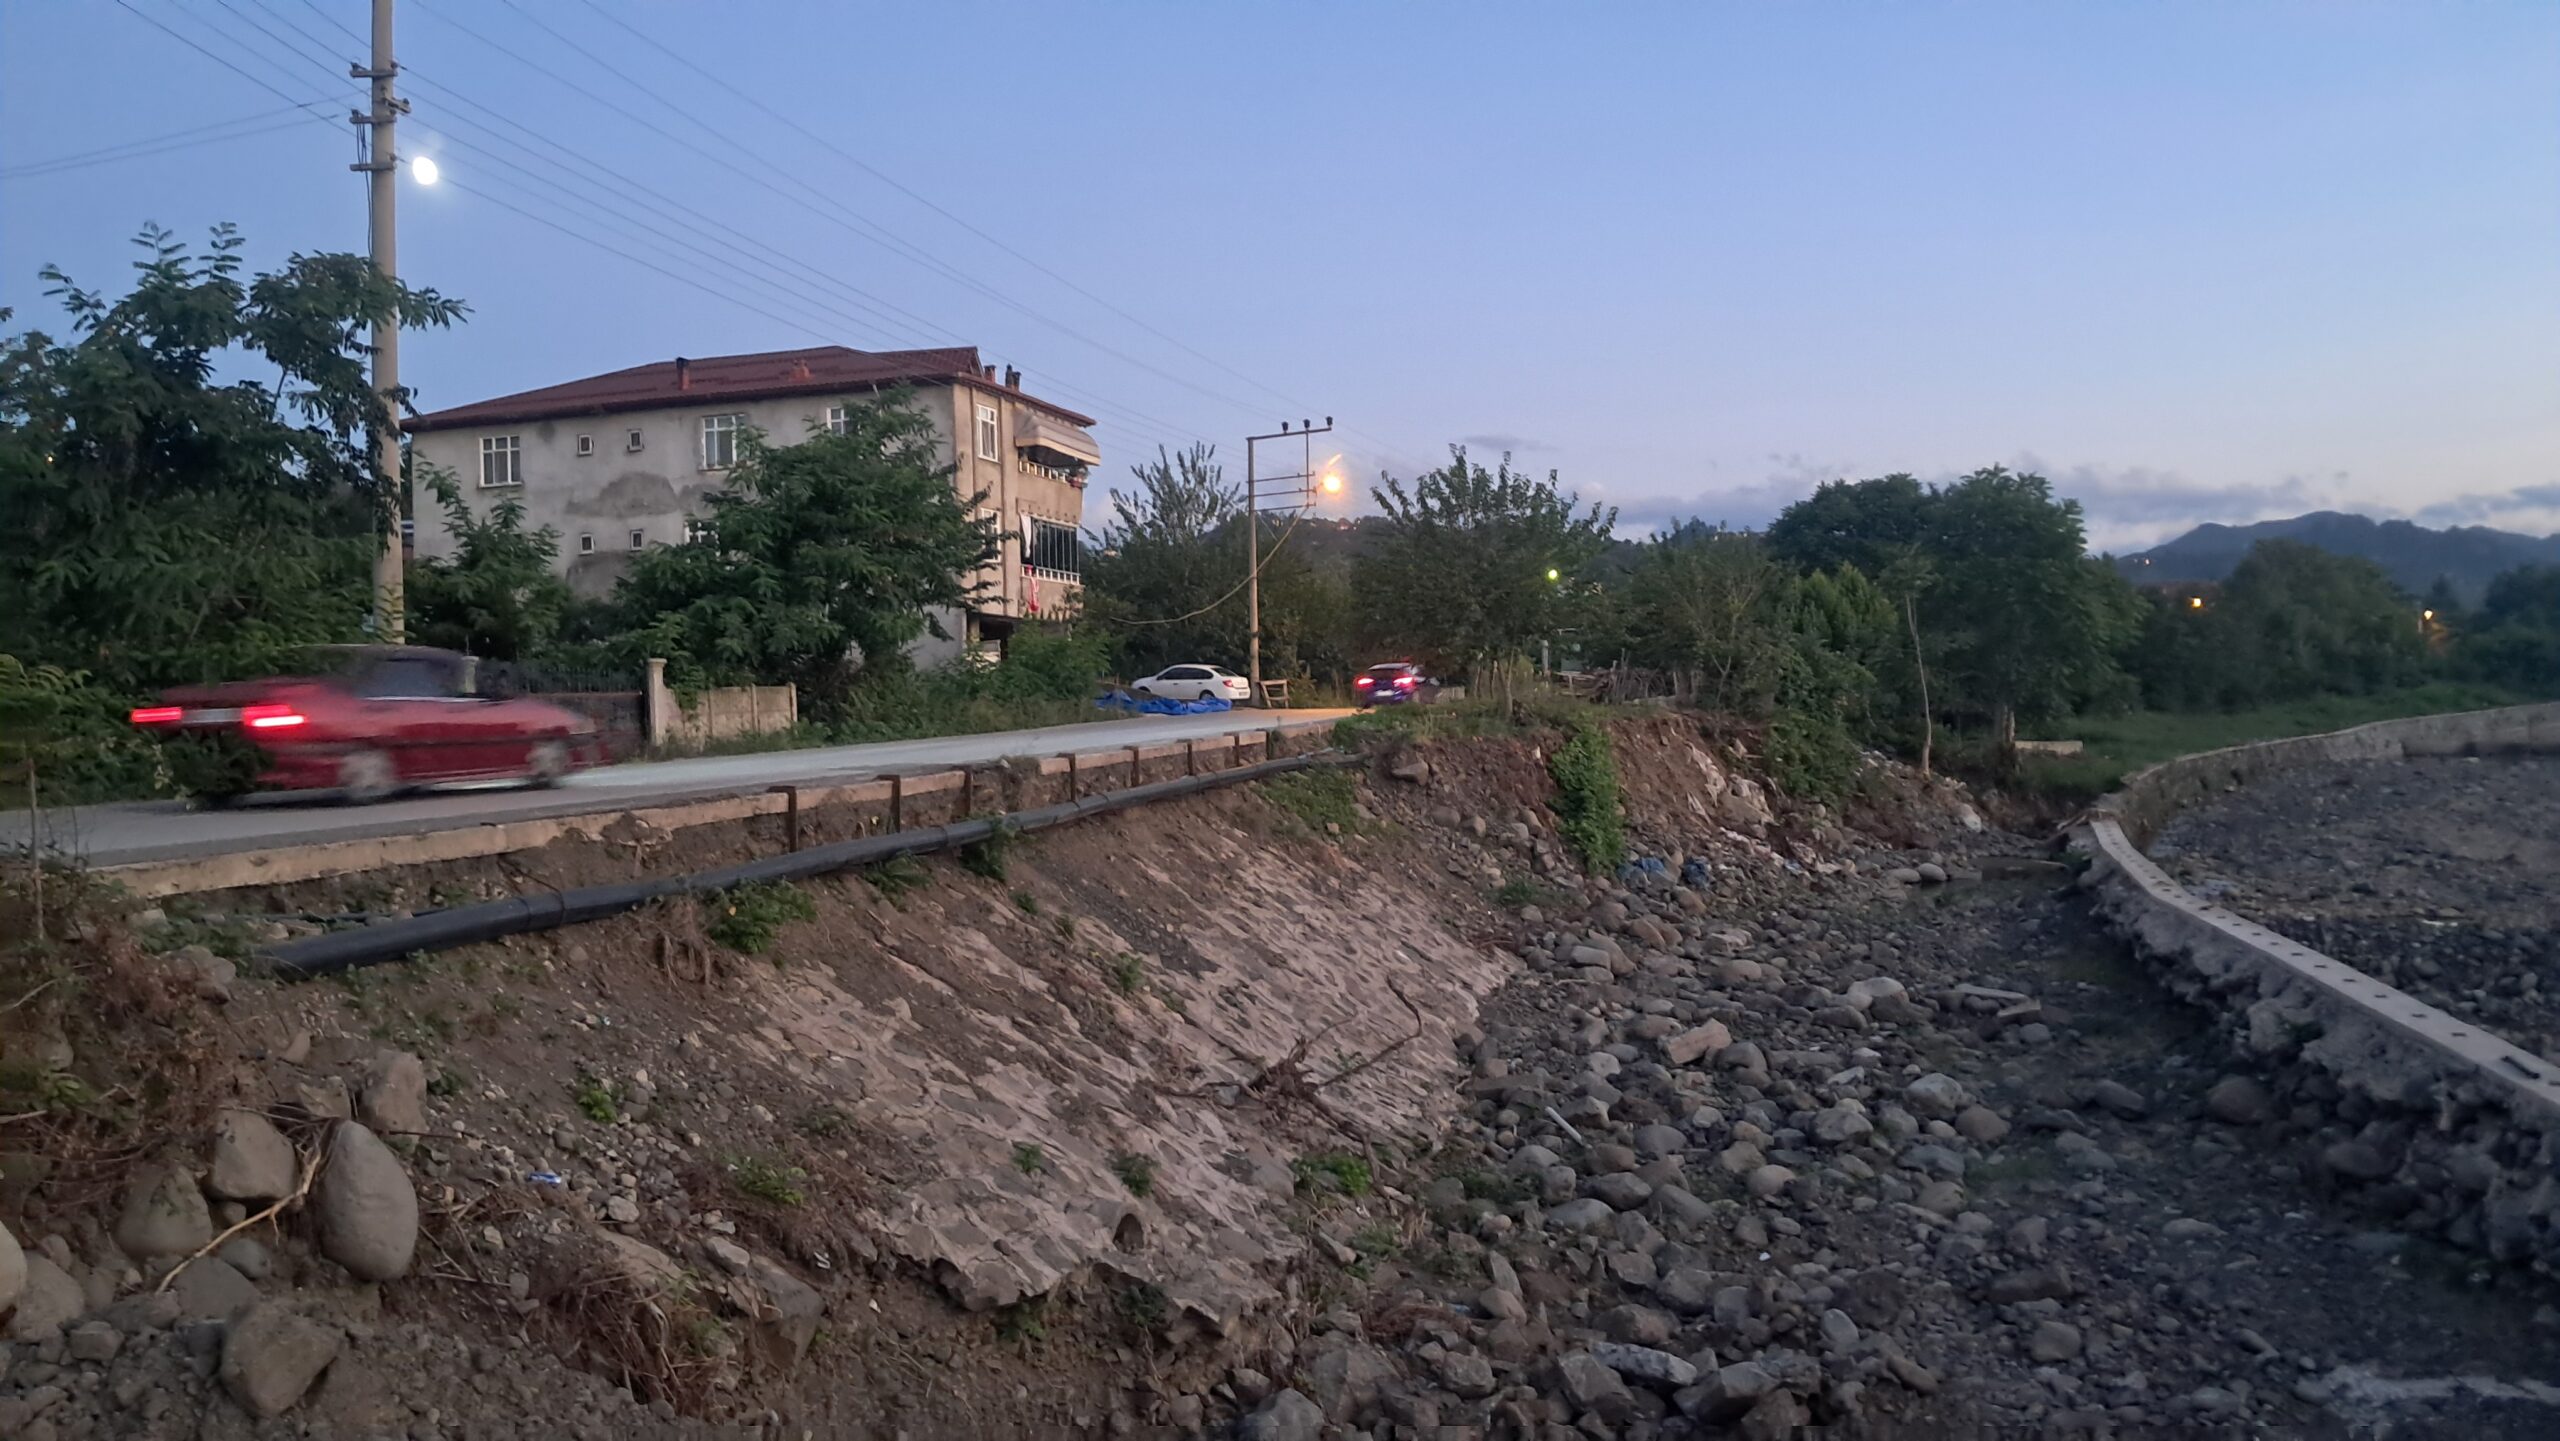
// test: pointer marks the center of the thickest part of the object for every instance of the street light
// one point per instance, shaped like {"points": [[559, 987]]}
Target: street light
{"points": [[1554, 575], [2426, 615], [424, 170], [2195, 602]]}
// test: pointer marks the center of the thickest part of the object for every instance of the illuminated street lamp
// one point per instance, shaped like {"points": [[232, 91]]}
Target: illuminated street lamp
{"points": [[2426, 615], [2195, 602], [1554, 575], [424, 170]]}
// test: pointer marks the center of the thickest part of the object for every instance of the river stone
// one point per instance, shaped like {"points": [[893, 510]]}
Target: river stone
{"points": [[395, 1095], [252, 1161], [368, 1211], [2239, 1101], [1644, 1363], [1696, 1043], [164, 1214], [272, 1355], [1289, 1416], [48, 1300], [1935, 1095], [13, 1270]]}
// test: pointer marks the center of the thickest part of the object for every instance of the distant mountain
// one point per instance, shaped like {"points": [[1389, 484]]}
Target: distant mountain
{"points": [[2415, 556]]}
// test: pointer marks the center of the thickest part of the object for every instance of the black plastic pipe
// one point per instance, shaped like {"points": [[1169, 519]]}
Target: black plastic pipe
{"points": [[337, 951]]}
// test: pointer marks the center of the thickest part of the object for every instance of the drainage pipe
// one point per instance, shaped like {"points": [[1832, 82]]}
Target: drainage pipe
{"points": [[469, 925]]}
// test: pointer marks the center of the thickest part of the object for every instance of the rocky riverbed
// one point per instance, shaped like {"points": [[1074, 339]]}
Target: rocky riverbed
{"points": [[2440, 876]]}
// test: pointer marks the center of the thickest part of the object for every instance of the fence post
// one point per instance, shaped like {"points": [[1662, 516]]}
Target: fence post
{"points": [[1075, 790], [656, 704], [1133, 766], [791, 813], [1191, 756], [897, 801]]}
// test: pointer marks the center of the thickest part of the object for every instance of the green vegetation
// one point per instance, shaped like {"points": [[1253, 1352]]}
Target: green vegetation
{"points": [[2115, 746], [1025, 1321], [747, 918], [987, 857], [825, 1123], [1588, 809], [1142, 1305], [1322, 799], [1136, 1172], [1128, 973], [896, 876], [1332, 1172], [771, 1182], [1520, 891], [596, 1100], [1026, 903], [1029, 1159]]}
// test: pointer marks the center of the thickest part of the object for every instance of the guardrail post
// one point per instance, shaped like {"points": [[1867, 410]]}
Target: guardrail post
{"points": [[897, 802], [1075, 786], [790, 814], [1235, 750], [968, 793], [1133, 765], [1191, 756]]}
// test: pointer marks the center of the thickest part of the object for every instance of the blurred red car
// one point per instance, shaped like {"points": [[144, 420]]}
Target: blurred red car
{"points": [[376, 720]]}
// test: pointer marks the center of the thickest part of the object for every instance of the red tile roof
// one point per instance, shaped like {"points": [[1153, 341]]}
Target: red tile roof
{"points": [[770, 375]]}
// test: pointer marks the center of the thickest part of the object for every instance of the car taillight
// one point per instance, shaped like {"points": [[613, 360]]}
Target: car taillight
{"points": [[270, 717], [158, 715], [1406, 682], [1363, 683]]}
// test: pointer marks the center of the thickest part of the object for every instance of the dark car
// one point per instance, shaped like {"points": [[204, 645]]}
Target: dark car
{"points": [[1396, 683], [370, 721]]}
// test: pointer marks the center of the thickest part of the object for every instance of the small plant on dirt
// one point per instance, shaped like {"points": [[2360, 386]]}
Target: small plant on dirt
{"points": [[1325, 801], [1025, 1321], [1493, 1186], [1026, 902], [1518, 891], [1142, 1305], [1128, 973], [896, 876], [596, 1100], [1332, 1173], [747, 918], [768, 1181], [1029, 1159], [447, 1081], [1587, 801], [1066, 928], [987, 857], [1138, 1173], [826, 1123]]}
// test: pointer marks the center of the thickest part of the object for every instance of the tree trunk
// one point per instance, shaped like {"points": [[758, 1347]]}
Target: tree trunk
{"points": [[1928, 723]]}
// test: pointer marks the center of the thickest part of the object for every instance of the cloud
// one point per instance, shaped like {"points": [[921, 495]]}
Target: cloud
{"points": [[2483, 509], [1499, 443]]}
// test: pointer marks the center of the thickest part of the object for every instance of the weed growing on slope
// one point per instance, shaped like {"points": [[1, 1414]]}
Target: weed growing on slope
{"points": [[896, 876], [768, 1181], [1325, 800], [596, 1100], [1138, 1173], [1587, 801], [747, 918], [987, 857], [1128, 973]]}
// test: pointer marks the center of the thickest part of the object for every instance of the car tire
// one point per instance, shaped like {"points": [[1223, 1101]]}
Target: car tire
{"points": [[1208, 695], [367, 776], [547, 764]]}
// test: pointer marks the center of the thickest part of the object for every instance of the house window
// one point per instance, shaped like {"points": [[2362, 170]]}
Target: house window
{"points": [[638, 539], [987, 437], [586, 445], [633, 444], [696, 532], [1052, 549], [837, 422], [501, 460], [720, 440], [586, 545]]}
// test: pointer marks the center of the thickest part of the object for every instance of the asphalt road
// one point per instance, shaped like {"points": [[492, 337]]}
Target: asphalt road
{"points": [[167, 830]]}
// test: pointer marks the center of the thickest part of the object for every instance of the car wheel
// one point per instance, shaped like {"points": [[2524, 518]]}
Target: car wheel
{"points": [[367, 776], [1208, 695], [547, 764]]}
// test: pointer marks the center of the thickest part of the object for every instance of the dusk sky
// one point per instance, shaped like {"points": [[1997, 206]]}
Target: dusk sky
{"points": [[2193, 261]]}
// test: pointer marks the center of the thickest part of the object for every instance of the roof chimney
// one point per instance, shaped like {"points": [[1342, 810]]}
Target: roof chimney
{"points": [[1012, 378], [684, 373], [991, 375]]}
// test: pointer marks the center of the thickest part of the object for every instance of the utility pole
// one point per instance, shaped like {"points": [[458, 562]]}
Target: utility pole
{"points": [[382, 174], [1308, 484]]}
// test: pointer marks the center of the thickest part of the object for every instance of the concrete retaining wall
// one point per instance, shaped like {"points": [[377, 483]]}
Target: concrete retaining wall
{"points": [[2445, 1126], [716, 715]]}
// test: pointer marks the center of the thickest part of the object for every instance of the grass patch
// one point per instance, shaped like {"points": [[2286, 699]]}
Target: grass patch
{"points": [[768, 1181], [1323, 800], [1530, 709], [1332, 1172], [1128, 973], [826, 1123], [596, 1100], [2116, 746], [987, 857], [1516, 892], [1142, 1305], [1025, 1321], [896, 876], [1138, 1173], [747, 918], [1026, 903], [1029, 1159]]}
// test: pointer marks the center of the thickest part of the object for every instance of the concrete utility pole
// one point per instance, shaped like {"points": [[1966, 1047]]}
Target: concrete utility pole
{"points": [[382, 175], [1308, 484]]}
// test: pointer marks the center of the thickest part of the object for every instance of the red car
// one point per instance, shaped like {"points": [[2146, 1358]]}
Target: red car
{"points": [[376, 720]]}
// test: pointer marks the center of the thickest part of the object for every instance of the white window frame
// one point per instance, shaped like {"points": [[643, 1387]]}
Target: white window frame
{"points": [[839, 419], [696, 530], [586, 445], [725, 426], [631, 442], [508, 452], [639, 538], [586, 544], [990, 434]]}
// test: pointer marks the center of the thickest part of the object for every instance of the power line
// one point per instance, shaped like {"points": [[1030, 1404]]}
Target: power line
{"points": [[156, 145], [219, 60]]}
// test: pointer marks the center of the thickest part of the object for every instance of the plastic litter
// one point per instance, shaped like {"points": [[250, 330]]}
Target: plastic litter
{"points": [[544, 1178]]}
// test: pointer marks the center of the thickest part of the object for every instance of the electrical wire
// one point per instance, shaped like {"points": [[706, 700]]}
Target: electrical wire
{"points": [[137, 149], [226, 64]]}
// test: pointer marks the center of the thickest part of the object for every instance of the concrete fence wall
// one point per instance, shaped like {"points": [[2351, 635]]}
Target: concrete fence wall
{"points": [[2462, 1126], [716, 715]]}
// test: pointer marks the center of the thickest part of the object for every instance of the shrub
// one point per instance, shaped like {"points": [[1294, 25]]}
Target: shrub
{"points": [[1135, 1172], [1128, 973], [747, 918], [768, 1181], [1587, 801], [987, 857], [1812, 757]]}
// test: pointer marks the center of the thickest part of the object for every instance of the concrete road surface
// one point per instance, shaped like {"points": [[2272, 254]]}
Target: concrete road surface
{"points": [[167, 830]]}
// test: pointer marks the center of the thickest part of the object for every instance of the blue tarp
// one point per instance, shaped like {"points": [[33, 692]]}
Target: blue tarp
{"points": [[1158, 705]]}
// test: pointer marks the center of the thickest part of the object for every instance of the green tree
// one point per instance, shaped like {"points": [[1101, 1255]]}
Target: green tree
{"points": [[497, 595], [1472, 566], [2514, 638], [1867, 524], [820, 559], [1165, 575], [2292, 620], [1712, 607], [159, 525]]}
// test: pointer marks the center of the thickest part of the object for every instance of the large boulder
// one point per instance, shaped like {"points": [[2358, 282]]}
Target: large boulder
{"points": [[252, 1161], [273, 1354], [164, 1214], [395, 1095], [48, 1300], [1289, 1416], [368, 1211]]}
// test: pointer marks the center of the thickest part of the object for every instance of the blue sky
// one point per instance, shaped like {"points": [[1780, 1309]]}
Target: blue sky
{"points": [[2194, 261]]}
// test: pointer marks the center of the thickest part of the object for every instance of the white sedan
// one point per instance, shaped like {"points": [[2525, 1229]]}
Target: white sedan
{"points": [[1194, 682]]}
